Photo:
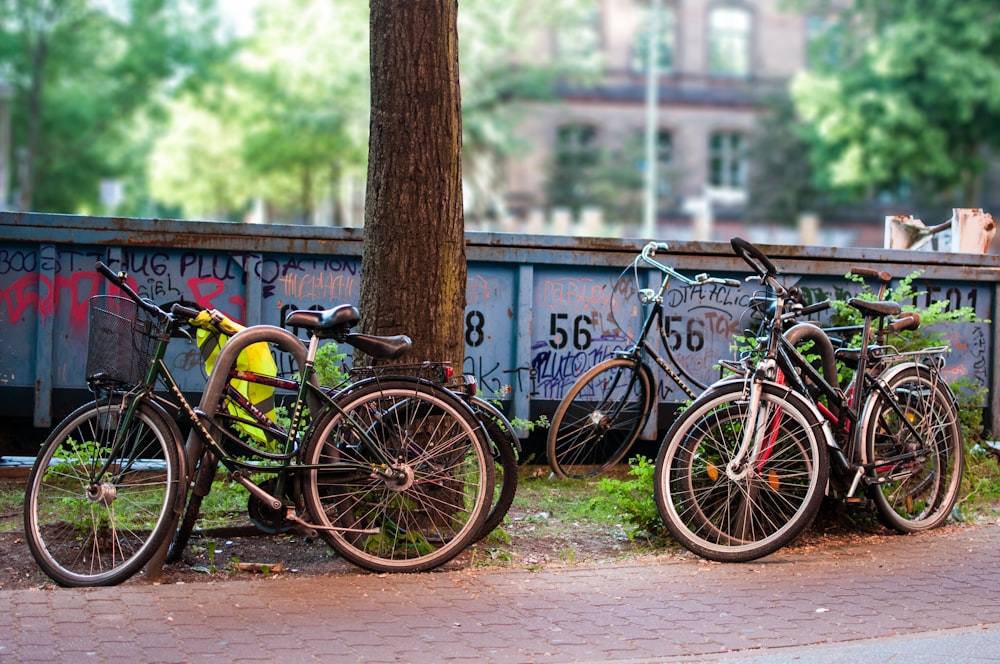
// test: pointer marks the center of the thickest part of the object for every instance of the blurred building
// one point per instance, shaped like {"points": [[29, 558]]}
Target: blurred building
{"points": [[716, 60]]}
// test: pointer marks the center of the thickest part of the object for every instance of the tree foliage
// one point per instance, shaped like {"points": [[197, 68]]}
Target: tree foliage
{"points": [[909, 95], [291, 108], [88, 80]]}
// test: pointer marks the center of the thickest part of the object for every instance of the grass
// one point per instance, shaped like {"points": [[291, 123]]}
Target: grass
{"points": [[550, 507]]}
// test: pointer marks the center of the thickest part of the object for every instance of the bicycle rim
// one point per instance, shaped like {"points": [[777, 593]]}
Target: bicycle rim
{"points": [[90, 530], [420, 510], [917, 465], [735, 513], [599, 419]]}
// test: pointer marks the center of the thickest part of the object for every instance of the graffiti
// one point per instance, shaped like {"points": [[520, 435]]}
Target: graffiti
{"points": [[574, 291], [477, 290], [322, 286], [556, 372], [34, 292], [147, 264], [205, 290]]}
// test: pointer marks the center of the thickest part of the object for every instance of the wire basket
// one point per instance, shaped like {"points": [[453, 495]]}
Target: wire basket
{"points": [[121, 342]]}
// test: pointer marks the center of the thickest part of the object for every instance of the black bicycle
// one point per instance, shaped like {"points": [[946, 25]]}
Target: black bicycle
{"points": [[394, 473], [743, 470], [601, 416]]}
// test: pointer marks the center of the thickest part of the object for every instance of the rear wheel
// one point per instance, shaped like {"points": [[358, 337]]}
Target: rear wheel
{"points": [[409, 480], [914, 443], [600, 418], [99, 499], [503, 445]]}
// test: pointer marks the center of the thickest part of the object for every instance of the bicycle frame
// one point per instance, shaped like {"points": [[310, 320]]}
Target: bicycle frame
{"points": [[655, 316], [784, 364]]}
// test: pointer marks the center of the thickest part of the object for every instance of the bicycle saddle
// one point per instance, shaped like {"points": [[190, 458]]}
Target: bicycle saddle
{"points": [[326, 323], [879, 308]]}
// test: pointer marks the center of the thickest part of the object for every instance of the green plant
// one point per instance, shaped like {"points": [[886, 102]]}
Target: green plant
{"points": [[330, 365], [633, 498]]}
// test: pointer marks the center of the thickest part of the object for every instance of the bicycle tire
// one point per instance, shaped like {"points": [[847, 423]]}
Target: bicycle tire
{"points": [[436, 504], [82, 534], [728, 517], [913, 494], [600, 418], [503, 444]]}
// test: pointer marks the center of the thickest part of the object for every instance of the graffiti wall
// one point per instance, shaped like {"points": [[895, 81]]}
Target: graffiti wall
{"points": [[533, 322]]}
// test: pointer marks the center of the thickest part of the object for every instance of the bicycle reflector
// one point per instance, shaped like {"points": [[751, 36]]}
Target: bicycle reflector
{"points": [[647, 295]]}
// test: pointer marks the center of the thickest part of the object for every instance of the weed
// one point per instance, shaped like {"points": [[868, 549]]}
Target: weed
{"points": [[633, 498]]}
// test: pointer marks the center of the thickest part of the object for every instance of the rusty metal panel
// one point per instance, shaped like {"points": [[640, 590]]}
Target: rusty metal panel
{"points": [[540, 309]]}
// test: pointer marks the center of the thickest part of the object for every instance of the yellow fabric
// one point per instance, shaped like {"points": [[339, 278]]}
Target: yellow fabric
{"points": [[214, 330]]}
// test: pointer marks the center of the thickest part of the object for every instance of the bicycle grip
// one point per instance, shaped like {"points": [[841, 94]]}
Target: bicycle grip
{"points": [[882, 276], [815, 308], [182, 312], [117, 278]]}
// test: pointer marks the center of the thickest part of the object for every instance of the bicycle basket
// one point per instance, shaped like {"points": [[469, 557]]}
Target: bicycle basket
{"points": [[121, 342]]}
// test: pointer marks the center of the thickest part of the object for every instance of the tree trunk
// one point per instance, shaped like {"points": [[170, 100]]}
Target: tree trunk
{"points": [[413, 266]]}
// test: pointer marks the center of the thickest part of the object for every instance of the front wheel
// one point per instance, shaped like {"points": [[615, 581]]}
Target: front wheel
{"points": [[405, 476], [731, 510], [600, 418], [913, 443], [99, 497]]}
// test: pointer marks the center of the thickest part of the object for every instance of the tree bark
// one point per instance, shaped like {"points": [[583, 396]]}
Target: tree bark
{"points": [[413, 268]]}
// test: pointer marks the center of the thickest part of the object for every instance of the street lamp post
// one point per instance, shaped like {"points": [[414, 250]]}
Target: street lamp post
{"points": [[652, 104], [5, 96]]}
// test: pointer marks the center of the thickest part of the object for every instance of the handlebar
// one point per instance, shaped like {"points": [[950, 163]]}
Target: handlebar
{"points": [[754, 257], [186, 313], [908, 320], [814, 308], [649, 251], [119, 279]]}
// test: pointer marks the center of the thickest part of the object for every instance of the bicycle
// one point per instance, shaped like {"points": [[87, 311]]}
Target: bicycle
{"points": [[742, 472], [603, 413], [245, 419], [393, 474]]}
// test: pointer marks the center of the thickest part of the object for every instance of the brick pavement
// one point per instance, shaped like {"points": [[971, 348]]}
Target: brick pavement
{"points": [[667, 609]]}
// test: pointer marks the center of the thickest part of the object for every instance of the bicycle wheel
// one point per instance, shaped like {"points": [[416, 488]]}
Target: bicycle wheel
{"points": [[410, 477], [99, 499], [600, 418], [734, 512], [914, 442], [503, 444]]}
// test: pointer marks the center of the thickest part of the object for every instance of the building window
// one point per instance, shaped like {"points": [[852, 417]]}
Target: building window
{"points": [[665, 44], [729, 41], [727, 160], [576, 143], [576, 156]]}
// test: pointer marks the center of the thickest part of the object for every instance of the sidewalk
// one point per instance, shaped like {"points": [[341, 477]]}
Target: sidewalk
{"points": [[934, 593]]}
